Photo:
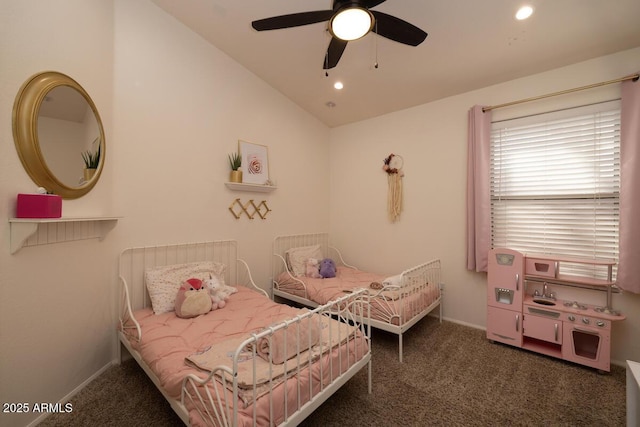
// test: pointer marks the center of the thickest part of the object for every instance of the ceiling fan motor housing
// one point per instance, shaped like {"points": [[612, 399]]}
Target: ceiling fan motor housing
{"points": [[339, 5]]}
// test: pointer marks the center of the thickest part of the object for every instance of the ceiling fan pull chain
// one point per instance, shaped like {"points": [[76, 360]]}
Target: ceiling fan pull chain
{"points": [[326, 64], [375, 44]]}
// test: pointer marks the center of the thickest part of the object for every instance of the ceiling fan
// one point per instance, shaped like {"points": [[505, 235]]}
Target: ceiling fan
{"points": [[348, 20]]}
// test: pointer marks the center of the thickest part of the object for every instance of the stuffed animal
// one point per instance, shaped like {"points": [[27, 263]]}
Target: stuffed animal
{"points": [[312, 267], [218, 292], [192, 299], [327, 268]]}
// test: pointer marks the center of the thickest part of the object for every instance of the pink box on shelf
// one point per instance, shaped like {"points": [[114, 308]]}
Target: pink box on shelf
{"points": [[39, 206]]}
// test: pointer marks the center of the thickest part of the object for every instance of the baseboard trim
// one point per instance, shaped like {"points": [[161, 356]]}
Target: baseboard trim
{"points": [[75, 391], [471, 325], [483, 328]]}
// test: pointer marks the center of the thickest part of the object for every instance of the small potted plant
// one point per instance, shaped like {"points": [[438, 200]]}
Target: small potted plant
{"points": [[235, 161], [91, 162]]}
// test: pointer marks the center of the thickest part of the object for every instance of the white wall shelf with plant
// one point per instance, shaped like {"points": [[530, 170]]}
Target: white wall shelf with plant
{"points": [[256, 188], [43, 231]]}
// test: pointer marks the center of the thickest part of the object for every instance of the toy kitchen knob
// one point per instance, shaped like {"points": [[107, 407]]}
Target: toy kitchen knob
{"points": [[585, 321], [571, 317]]}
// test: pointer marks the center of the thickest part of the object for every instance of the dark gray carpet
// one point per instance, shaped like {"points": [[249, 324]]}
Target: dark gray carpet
{"points": [[452, 376]]}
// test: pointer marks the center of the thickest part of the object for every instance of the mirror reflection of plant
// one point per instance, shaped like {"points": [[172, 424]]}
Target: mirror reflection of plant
{"points": [[91, 159], [235, 161]]}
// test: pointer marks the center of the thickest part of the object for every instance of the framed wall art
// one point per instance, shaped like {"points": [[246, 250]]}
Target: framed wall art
{"points": [[255, 163]]}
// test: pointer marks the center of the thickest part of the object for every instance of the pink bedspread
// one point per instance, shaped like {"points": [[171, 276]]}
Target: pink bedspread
{"points": [[391, 307], [321, 291], [167, 340]]}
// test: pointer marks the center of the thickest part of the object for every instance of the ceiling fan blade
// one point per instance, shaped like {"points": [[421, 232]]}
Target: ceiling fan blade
{"points": [[292, 20], [397, 30], [334, 52], [372, 3]]}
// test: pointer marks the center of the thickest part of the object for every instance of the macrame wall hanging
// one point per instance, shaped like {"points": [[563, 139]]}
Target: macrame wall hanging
{"points": [[393, 167]]}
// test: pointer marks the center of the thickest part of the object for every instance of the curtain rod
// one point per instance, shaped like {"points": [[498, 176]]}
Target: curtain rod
{"points": [[633, 77]]}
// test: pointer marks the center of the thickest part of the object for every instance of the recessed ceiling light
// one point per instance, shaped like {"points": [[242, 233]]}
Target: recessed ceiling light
{"points": [[338, 85], [524, 12], [330, 104]]}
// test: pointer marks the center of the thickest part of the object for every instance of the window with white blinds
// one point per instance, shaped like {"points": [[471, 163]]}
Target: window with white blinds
{"points": [[555, 184]]}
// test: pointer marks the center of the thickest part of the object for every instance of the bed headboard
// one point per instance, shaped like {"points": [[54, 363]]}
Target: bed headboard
{"points": [[281, 244], [134, 261]]}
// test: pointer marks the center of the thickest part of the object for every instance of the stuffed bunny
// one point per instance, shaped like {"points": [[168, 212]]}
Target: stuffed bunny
{"points": [[218, 292], [312, 267]]}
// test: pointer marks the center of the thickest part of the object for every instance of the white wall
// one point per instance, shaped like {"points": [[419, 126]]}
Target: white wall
{"points": [[180, 108], [432, 140], [173, 107], [56, 326]]}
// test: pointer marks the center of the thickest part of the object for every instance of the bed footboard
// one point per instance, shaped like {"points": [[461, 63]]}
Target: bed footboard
{"points": [[406, 299], [255, 390], [409, 294]]}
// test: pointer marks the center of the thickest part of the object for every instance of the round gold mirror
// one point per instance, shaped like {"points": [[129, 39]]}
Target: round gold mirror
{"points": [[58, 134]]}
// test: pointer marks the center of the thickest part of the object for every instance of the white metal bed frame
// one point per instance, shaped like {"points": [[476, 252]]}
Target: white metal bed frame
{"points": [[415, 278], [210, 401]]}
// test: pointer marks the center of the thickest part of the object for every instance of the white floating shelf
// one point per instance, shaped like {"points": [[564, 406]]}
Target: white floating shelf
{"points": [[256, 188], [43, 231]]}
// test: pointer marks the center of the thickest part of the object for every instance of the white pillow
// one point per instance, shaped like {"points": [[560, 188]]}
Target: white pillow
{"points": [[296, 258], [164, 282]]}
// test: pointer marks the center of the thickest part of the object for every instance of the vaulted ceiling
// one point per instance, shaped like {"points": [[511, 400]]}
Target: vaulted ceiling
{"points": [[471, 44]]}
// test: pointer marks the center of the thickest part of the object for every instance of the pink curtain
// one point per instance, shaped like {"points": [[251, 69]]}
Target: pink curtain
{"points": [[478, 193], [628, 277]]}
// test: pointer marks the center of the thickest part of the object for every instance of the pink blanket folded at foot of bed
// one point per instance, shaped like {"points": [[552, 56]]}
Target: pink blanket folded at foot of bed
{"points": [[285, 343]]}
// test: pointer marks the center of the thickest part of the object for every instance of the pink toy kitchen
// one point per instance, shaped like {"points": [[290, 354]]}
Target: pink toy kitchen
{"points": [[531, 305]]}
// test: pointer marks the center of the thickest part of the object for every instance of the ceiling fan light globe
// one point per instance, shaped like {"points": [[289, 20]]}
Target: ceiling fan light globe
{"points": [[524, 12], [351, 23]]}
